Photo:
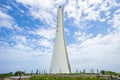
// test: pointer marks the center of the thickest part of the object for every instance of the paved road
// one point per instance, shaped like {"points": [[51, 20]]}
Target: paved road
{"points": [[7, 79], [16, 77]]}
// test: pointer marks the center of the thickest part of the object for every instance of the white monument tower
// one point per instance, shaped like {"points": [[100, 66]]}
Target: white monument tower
{"points": [[60, 62]]}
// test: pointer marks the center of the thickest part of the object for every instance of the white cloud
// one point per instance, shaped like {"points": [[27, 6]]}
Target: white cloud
{"points": [[6, 8], [60, 2], [45, 10], [3, 43], [21, 42], [39, 10], [46, 33], [88, 10], [47, 36], [100, 52], [72, 11], [37, 3], [78, 10], [44, 16], [6, 20], [115, 21], [102, 20], [21, 46], [46, 43], [20, 59], [92, 14], [82, 36], [94, 2], [19, 39], [67, 31], [18, 8]]}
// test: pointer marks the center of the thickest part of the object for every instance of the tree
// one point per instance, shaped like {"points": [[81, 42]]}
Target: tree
{"points": [[102, 72], [19, 73], [37, 71]]}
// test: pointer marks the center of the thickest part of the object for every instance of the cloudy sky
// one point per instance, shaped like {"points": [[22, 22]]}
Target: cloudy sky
{"points": [[28, 27]]}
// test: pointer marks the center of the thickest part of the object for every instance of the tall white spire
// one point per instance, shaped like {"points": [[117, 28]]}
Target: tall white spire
{"points": [[60, 62]]}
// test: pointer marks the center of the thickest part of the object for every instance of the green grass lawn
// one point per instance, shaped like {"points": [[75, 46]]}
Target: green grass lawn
{"points": [[64, 77], [73, 76]]}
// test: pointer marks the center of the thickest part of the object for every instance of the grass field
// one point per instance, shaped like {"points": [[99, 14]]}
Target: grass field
{"points": [[66, 77], [106, 75]]}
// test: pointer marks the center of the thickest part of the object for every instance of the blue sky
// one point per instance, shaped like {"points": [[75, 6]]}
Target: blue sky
{"points": [[28, 27]]}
